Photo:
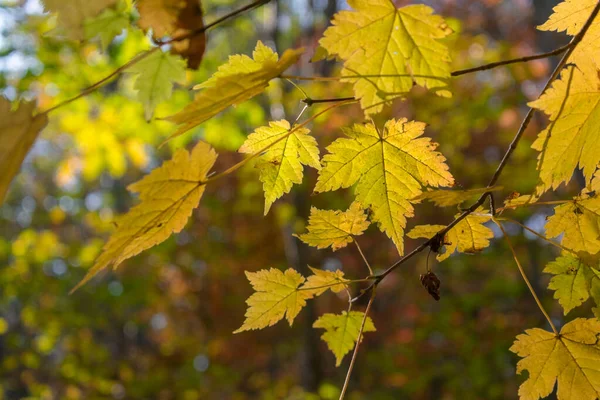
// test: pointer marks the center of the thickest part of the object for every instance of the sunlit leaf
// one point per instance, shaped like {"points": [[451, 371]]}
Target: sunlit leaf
{"points": [[72, 15], [168, 196], [107, 25], [321, 281], [390, 168], [19, 128], [571, 359], [389, 49], [240, 79], [277, 296], [341, 331], [334, 228], [281, 164]]}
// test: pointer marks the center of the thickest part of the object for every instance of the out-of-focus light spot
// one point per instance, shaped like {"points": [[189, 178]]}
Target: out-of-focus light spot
{"points": [[28, 204], [118, 391], [93, 201], [115, 288], [201, 363], [158, 321], [130, 329], [59, 267], [332, 264], [66, 203]]}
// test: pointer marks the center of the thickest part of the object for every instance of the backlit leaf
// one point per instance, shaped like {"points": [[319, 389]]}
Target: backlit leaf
{"points": [[156, 75], [572, 139], [240, 79], [468, 236], [321, 281], [18, 130], [571, 359], [574, 281], [385, 50], [334, 228], [579, 221], [390, 168], [277, 296], [280, 165], [341, 331], [168, 196], [107, 25], [72, 15]]}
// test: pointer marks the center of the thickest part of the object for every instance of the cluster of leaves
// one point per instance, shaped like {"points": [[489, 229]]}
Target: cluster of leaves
{"points": [[384, 51]]}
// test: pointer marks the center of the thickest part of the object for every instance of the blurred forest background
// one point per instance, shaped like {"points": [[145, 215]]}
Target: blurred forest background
{"points": [[160, 327]]}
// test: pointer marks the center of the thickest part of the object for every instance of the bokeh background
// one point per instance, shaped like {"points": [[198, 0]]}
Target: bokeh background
{"points": [[160, 327]]}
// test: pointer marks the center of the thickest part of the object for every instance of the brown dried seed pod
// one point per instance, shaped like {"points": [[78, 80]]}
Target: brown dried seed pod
{"points": [[431, 282]]}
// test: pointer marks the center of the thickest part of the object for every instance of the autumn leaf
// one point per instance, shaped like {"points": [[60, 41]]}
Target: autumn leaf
{"points": [[155, 77], [321, 281], [574, 281], [334, 228], [280, 166], [570, 16], [516, 200], [386, 49], [467, 236], [167, 18], [72, 15], [110, 23], [447, 198], [571, 359], [236, 81], [579, 221], [168, 196], [277, 296], [341, 331], [19, 128], [389, 167], [572, 139]]}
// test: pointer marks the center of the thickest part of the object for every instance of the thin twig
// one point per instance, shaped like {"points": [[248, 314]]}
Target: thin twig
{"points": [[539, 235], [522, 271], [358, 340], [363, 256], [309, 102], [141, 56]]}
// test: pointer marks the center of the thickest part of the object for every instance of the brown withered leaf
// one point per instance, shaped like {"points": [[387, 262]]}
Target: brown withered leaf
{"points": [[431, 282], [176, 18]]}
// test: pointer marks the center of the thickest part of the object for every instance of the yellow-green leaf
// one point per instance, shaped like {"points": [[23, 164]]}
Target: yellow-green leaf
{"points": [[390, 168], [155, 77], [18, 130], [386, 49], [447, 198], [571, 359], [572, 139], [573, 281], [334, 228], [320, 281], [168, 196], [570, 16], [107, 25], [277, 296], [579, 221], [72, 15], [240, 79], [280, 165], [468, 236], [341, 331]]}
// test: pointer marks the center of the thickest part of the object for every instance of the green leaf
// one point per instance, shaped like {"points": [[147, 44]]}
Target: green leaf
{"points": [[156, 75], [107, 25]]}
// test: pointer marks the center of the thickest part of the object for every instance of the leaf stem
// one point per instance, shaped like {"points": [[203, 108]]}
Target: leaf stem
{"points": [[358, 340], [363, 256], [145, 54], [539, 235], [533, 293]]}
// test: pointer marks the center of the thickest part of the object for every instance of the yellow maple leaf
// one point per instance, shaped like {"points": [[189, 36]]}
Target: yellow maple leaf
{"points": [[277, 296], [280, 165], [572, 138], [320, 281], [341, 331], [18, 130], [385, 49], [570, 16], [240, 79], [168, 196], [579, 221], [72, 15], [389, 167], [334, 228], [447, 198], [573, 281], [468, 236], [572, 359], [515, 200]]}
